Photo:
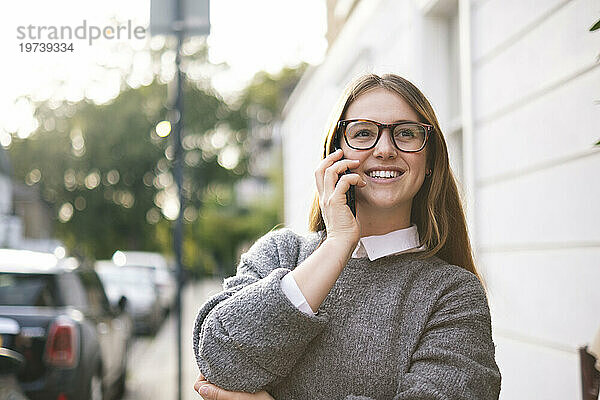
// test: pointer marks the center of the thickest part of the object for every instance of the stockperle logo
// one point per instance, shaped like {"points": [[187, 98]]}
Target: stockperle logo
{"points": [[91, 33]]}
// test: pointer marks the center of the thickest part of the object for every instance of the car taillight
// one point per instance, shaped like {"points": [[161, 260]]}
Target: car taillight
{"points": [[62, 347]]}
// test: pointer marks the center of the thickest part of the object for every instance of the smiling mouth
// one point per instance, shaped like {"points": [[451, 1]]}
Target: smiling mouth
{"points": [[383, 175]]}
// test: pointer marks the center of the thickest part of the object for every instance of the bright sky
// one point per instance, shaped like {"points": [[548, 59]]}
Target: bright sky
{"points": [[248, 35]]}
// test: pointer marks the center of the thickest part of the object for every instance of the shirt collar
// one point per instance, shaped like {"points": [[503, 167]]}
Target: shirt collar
{"points": [[400, 241]]}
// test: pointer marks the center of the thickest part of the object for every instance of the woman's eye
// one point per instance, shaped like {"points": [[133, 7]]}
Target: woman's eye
{"points": [[362, 133], [406, 133]]}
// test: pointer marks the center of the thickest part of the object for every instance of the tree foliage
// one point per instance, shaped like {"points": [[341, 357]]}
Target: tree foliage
{"points": [[108, 176]]}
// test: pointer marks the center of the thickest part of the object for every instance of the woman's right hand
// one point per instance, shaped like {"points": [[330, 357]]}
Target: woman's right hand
{"points": [[332, 187], [208, 391]]}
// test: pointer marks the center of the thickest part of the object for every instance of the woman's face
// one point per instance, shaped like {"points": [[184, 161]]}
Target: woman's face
{"points": [[390, 194]]}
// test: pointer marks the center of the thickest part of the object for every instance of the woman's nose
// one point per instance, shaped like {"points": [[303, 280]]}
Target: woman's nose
{"points": [[385, 148]]}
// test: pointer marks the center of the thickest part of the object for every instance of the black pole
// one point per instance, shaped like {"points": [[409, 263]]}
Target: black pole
{"points": [[178, 170]]}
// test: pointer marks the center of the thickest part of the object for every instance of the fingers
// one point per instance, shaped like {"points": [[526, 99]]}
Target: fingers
{"points": [[332, 174], [326, 163], [208, 391], [211, 392], [328, 178], [344, 184], [199, 382]]}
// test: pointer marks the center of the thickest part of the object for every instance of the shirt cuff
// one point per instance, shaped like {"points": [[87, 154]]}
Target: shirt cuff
{"points": [[292, 291]]}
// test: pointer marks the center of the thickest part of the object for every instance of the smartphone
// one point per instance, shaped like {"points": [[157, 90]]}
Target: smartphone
{"points": [[351, 193]]}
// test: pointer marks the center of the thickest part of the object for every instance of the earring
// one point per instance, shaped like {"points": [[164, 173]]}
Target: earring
{"points": [[428, 173]]}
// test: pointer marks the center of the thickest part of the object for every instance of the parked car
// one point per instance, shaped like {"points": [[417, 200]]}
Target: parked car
{"points": [[74, 343], [11, 362], [137, 285], [164, 275]]}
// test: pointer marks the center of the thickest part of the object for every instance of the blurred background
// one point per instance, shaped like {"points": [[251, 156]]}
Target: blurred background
{"points": [[88, 195]]}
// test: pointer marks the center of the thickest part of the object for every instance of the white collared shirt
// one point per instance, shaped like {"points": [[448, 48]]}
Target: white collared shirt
{"points": [[374, 247]]}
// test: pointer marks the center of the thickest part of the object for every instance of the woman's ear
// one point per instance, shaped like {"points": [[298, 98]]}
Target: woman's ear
{"points": [[428, 167]]}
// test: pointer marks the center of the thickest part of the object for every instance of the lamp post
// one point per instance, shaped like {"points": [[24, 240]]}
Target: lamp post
{"points": [[182, 18], [178, 170]]}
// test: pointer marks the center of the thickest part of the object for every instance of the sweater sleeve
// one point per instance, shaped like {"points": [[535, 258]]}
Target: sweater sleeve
{"points": [[250, 335], [454, 358]]}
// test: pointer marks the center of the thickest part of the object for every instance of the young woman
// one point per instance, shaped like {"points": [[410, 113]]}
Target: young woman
{"points": [[387, 305]]}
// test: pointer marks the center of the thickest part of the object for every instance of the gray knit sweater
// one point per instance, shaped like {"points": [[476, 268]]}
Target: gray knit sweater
{"points": [[395, 328]]}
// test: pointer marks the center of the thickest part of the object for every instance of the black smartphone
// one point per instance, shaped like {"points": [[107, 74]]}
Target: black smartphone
{"points": [[350, 194]]}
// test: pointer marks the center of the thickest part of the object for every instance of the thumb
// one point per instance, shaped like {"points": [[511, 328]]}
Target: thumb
{"points": [[212, 392]]}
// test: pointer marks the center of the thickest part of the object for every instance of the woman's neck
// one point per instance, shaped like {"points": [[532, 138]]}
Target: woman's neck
{"points": [[379, 222]]}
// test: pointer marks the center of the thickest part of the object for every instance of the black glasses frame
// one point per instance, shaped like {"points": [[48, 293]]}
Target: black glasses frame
{"points": [[341, 129]]}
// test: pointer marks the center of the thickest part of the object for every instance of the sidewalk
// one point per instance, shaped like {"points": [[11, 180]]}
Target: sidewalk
{"points": [[153, 361]]}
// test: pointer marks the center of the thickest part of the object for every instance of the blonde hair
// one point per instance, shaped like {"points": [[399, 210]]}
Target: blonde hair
{"points": [[437, 209]]}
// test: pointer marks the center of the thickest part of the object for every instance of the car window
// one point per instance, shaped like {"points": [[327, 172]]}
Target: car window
{"points": [[27, 290], [72, 291], [126, 276], [96, 297], [127, 279]]}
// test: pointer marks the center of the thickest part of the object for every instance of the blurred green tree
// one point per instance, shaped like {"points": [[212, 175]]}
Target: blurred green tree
{"points": [[107, 173], [104, 169], [258, 108]]}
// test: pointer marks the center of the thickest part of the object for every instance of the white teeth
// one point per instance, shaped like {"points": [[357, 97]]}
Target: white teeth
{"points": [[384, 174]]}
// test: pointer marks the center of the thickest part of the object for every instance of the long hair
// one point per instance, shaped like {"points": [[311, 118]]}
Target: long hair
{"points": [[436, 208]]}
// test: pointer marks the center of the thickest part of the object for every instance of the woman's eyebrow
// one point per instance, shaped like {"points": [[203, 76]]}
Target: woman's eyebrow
{"points": [[374, 120], [398, 121], [402, 120]]}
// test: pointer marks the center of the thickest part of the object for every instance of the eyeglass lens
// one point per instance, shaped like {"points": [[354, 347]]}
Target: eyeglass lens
{"points": [[363, 134]]}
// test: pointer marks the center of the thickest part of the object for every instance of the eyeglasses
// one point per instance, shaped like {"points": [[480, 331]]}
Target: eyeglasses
{"points": [[363, 134]]}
